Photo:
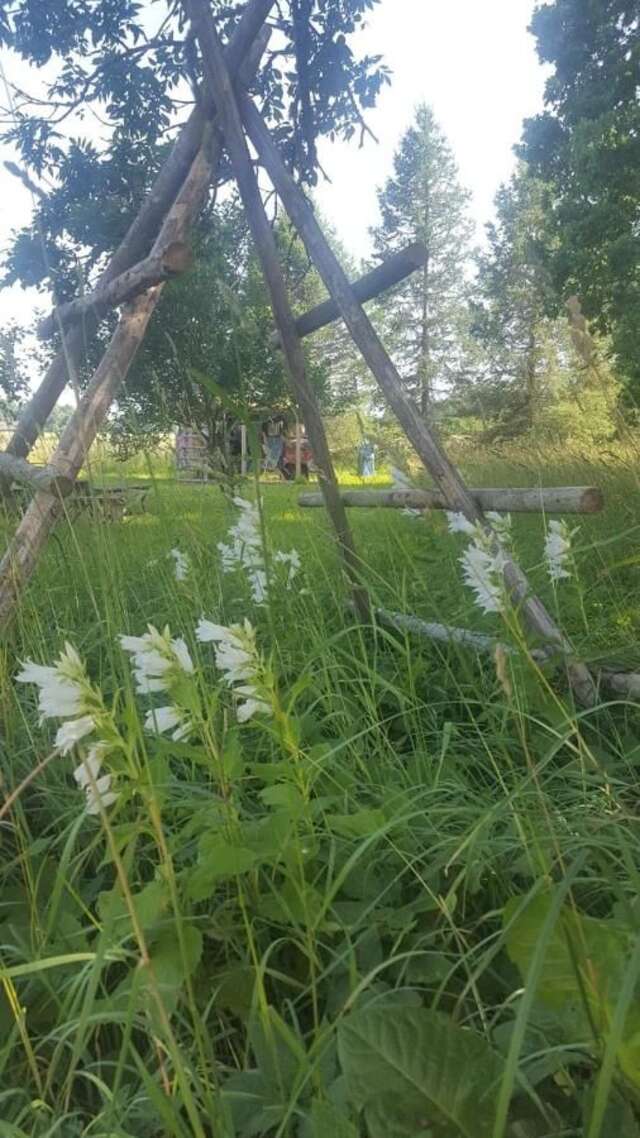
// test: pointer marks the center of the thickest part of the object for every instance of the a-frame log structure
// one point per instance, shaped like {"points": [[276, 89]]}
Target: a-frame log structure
{"points": [[157, 247]]}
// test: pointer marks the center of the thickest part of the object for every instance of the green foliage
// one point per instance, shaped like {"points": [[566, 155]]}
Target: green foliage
{"points": [[412, 1070], [584, 968], [114, 60], [586, 146], [293, 926], [13, 378]]}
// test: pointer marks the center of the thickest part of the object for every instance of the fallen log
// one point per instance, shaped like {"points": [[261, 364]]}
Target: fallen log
{"points": [[14, 469], [172, 261], [548, 500], [391, 272], [622, 683]]}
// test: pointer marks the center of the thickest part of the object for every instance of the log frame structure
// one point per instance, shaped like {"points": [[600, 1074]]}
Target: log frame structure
{"points": [[157, 246]]}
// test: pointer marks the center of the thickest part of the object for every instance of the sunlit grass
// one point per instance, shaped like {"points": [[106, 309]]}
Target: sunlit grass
{"points": [[418, 790]]}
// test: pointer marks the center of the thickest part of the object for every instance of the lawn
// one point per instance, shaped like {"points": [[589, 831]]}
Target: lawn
{"points": [[417, 873]]}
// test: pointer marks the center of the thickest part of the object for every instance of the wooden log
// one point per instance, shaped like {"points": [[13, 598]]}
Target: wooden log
{"points": [[548, 500], [216, 72], [175, 259], [21, 556], [14, 469], [626, 684], [137, 241], [395, 269], [420, 435]]}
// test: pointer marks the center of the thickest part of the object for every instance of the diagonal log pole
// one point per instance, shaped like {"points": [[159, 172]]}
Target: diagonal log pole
{"points": [[136, 243], [140, 277], [218, 78], [21, 556], [426, 445]]}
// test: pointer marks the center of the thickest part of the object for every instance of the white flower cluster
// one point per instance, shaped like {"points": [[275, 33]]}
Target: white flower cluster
{"points": [[292, 559], [66, 693], [483, 567], [97, 787], [182, 564], [483, 573], [161, 663], [238, 659], [557, 550], [245, 550]]}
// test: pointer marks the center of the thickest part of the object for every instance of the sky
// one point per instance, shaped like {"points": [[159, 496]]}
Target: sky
{"points": [[473, 61]]}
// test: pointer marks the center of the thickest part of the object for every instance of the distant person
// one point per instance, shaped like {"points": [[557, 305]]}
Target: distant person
{"points": [[366, 459]]}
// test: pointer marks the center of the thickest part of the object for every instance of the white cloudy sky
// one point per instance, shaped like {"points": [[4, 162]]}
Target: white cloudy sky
{"points": [[472, 60]]}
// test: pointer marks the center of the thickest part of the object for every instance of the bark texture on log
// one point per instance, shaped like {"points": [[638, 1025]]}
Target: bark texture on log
{"points": [[15, 469], [137, 241], [425, 443], [221, 88], [395, 269], [534, 500], [175, 259]]}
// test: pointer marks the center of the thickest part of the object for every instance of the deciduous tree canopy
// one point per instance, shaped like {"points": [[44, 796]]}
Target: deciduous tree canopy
{"points": [[586, 146]]}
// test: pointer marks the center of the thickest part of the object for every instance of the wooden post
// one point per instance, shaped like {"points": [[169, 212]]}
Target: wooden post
{"points": [[21, 556], [136, 242], [243, 449], [548, 500], [219, 82], [426, 445], [298, 448]]}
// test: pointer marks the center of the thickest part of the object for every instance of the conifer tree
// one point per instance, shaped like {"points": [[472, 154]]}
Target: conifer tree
{"points": [[423, 200]]}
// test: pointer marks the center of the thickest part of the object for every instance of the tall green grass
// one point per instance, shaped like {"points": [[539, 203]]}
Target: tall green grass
{"points": [[407, 907]]}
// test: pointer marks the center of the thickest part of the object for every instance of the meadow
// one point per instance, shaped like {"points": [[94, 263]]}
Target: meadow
{"points": [[403, 901]]}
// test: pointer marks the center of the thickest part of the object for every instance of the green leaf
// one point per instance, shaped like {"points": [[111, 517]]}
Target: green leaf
{"points": [[218, 861], [584, 961], [410, 1069], [232, 756], [278, 1052], [328, 1121], [256, 1107], [359, 825], [285, 797]]}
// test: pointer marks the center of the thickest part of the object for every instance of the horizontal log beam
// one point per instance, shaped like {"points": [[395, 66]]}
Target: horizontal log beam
{"points": [[391, 272], [626, 684], [14, 469], [172, 261], [548, 500]]}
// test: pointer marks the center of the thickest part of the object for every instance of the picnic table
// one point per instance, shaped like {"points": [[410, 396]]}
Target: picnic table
{"points": [[111, 503]]}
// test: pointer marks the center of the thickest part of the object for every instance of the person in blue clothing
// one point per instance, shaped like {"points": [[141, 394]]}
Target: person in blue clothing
{"points": [[366, 459]]}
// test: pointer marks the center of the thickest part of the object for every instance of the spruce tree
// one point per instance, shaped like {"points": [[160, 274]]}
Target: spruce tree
{"points": [[423, 200]]}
